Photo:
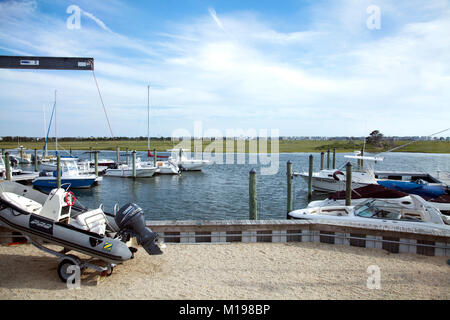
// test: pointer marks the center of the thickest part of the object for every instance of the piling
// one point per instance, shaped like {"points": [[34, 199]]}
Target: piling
{"points": [[253, 204], [348, 184], [7, 167], [322, 154], [58, 171], [289, 177], [126, 155], [118, 155], [90, 154], [35, 161], [70, 151], [154, 157], [328, 159], [21, 155], [334, 158], [362, 160], [134, 163], [96, 162], [310, 173]]}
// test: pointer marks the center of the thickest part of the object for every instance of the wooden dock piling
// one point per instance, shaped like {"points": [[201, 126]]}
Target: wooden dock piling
{"points": [[134, 163], [118, 155], [322, 154], [58, 171], [334, 158], [96, 162], [310, 173], [253, 202], [348, 184], [289, 177], [7, 167], [154, 157], [35, 161], [328, 159]]}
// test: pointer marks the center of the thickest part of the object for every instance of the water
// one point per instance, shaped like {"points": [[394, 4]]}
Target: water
{"points": [[220, 191]]}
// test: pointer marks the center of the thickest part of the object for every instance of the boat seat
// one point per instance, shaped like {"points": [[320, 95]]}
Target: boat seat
{"points": [[22, 202], [93, 221]]}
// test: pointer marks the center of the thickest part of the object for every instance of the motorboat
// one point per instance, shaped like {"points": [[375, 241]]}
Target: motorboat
{"points": [[70, 175], [16, 174], [418, 214], [143, 170], [20, 156], [332, 180], [59, 219], [167, 167], [187, 164], [376, 191]]}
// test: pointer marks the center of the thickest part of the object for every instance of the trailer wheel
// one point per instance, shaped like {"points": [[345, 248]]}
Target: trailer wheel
{"points": [[64, 265]]}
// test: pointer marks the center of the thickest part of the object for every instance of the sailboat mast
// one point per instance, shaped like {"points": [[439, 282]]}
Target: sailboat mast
{"points": [[56, 135], [148, 118], [45, 127]]}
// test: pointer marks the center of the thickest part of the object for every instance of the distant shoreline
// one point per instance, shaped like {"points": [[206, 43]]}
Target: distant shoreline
{"points": [[285, 146]]}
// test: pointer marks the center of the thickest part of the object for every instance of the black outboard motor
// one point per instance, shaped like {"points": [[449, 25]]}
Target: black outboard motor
{"points": [[130, 219]]}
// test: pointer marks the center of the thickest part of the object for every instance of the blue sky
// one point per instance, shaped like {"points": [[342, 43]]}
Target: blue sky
{"points": [[306, 68]]}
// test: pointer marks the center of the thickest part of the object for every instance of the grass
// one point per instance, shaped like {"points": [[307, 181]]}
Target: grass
{"points": [[285, 146]]}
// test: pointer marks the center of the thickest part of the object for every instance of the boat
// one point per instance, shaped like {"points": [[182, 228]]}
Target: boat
{"points": [[20, 156], [187, 164], [59, 219], [70, 176], [17, 174], [381, 212], [376, 191], [332, 180], [143, 170], [167, 167]]}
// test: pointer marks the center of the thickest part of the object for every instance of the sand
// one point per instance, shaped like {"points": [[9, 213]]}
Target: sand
{"points": [[234, 271]]}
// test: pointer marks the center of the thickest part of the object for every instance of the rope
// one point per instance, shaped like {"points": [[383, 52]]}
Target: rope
{"points": [[101, 99]]}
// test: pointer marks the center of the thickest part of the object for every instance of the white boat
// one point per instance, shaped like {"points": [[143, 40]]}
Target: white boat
{"points": [[418, 214], [16, 174], [143, 170], [20, 156], [70, 175], [185, 163], [167, 167], [360, 195]]}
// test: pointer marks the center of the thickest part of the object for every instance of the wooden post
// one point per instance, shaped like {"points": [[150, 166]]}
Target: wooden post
{"points": [[70, 151], [362, 160], [334, 158], [310, 173], [253, 202], [96, 162], [90, 154], [154, 157], [118, 155], [35, 161], [134, 163], [328, 159], [289, 188], [126, 155], [58, 171], [21, 155], [348, 184], [322, 154], [7, 167]]}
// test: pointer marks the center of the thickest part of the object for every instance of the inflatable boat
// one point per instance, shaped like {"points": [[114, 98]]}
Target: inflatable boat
{"points": [[60, 220]]}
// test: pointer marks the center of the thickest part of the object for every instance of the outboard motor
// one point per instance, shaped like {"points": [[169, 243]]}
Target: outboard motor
{"points": [[130, 218]]}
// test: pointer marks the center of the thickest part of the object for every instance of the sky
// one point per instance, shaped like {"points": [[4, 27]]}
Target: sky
{"points": [[302, 67]]}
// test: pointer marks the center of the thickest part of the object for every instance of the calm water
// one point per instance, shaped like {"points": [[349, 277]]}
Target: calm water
{"points": [[220, 191]]}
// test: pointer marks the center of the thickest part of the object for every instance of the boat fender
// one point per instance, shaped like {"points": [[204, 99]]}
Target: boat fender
{"points": [[335, 175]]}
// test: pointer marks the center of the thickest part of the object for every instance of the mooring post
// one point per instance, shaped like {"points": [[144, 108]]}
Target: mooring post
{"points": [[348, 184], [328, 159], [126, 154], [118, 155], [154, 157], [7, 167], [90, 154], [96, 162], [334, 158], [310, 173], [58, 171], [134, 163], [322, 155], [289, 188], [70, 151], [35, 161], [362, 160], [253, 204]]}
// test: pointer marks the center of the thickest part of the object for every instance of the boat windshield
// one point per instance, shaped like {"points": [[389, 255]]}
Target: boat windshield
{"points": [[378, 209], [70, 166]]}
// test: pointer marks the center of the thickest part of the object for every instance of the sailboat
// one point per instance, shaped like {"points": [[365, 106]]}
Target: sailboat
{"points": [[70, 174]]}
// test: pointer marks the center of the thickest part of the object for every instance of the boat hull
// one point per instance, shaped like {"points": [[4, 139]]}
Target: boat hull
{"points": [[75, 182], [128, 173]]}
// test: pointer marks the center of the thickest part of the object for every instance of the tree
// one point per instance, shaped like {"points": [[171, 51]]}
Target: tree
{"points": [[375, 138]]}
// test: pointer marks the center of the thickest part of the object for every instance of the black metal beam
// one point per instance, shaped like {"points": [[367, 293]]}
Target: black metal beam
{"points": [[51, 63]]}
